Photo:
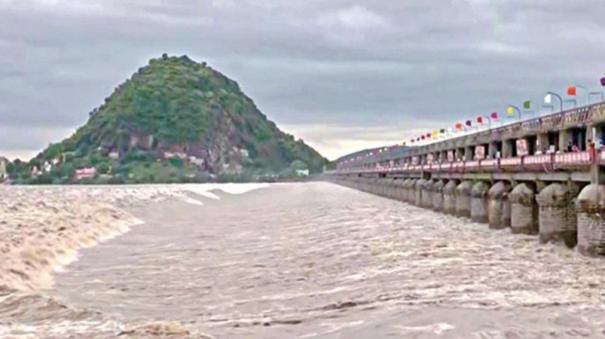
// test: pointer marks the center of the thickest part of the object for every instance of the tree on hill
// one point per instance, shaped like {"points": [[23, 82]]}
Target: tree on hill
{"points": [[176, 107]]}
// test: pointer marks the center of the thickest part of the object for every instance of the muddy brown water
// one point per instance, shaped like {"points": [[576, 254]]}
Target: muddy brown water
{"points": [[317, 260]]}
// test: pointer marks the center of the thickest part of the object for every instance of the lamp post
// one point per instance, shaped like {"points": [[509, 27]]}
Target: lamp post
{"points": [[601, 93], [548, 99], [571, 91], [489, 120], [512, 109]]}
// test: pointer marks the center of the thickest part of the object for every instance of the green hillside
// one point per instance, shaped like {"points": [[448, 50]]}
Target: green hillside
{"points": [[176, 120]]}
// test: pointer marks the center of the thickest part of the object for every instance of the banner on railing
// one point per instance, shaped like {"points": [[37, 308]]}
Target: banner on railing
{"points": [[522, 147], [480, 152]]}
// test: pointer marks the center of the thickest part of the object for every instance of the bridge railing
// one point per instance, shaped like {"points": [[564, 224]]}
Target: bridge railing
{"points": [[528, 163]]}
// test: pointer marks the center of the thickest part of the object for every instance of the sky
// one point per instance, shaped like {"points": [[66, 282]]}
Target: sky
{"points": [[342, 75]]}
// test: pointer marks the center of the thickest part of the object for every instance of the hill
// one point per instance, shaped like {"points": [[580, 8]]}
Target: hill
{"points": [[175, 120]]}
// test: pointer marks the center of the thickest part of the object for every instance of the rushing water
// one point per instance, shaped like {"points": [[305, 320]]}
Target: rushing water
{"points": [[317, 260]]}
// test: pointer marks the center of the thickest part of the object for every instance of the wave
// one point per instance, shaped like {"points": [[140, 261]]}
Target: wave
{"points": [[44, 227], [41, 231]]}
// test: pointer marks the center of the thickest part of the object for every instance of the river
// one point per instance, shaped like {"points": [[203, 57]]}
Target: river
{"points": [[313, 260]]}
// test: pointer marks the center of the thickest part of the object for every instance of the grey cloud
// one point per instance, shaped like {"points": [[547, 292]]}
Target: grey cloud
{"points": [[389, 65]]}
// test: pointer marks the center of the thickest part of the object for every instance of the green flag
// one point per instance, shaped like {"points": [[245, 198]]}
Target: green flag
{"points": [[527, 104]]}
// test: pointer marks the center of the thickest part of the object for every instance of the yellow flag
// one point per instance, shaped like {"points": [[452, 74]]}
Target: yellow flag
{"points": [[510, 111]]}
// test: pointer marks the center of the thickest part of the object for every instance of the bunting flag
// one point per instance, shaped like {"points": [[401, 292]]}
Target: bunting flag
{"points": [[422, 137], [527, 104], [494, 115], [442, 131], [459, 126], [603, 81], [510, 111], [572, 91], [480, 120], [435, 134], [469, 123]]}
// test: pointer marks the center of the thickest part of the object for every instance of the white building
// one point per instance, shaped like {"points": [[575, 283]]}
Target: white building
{"points": [[302, 173], [3, 164]]}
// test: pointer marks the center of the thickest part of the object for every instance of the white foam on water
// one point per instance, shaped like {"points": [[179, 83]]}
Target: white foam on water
{"points": [[438, 328], [190, 200], [340, 326], [56, 221], [210, 195], [204, 189]]}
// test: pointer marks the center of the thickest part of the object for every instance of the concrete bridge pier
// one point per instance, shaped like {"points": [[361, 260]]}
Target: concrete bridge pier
{"points": [[408, 188], [352, 183], [524, 209], [499, 205], [557, 216], [590, 207], [418, 185], [372, 185], [380, 187], [396, 189], [479, 210], [375, 186], [389, 187], [363, 184], [463, 199], [438, 195], [449, 197], [427, 194], [383, 187], [399, 191]]}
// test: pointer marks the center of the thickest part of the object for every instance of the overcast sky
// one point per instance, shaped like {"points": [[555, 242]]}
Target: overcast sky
{"points": [[342, 75]]}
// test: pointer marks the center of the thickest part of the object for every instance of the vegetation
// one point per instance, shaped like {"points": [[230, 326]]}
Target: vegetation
{"points": [[174, 120]]}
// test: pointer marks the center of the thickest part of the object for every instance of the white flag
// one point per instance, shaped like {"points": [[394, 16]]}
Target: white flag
{"points": [[548, 99]]}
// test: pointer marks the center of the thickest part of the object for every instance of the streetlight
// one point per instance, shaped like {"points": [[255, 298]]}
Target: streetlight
{"points": [[548, 99], [480, 120], [510, 111], [527, 107], [572, 91], [601, 93]]}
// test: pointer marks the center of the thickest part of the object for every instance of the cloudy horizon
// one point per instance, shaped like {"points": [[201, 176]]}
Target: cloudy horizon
{"points": [[342, 75]]}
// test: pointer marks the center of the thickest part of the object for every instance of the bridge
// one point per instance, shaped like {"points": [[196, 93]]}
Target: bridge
{"points": [[539, 176]]}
